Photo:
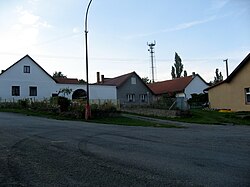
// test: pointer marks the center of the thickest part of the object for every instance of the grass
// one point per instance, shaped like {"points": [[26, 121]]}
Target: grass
{"points": [[215, 117], [121, 120], [118, 120]]}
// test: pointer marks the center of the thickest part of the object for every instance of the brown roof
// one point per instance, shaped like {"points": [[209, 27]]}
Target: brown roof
{"points": [[118, 81], [234, 73], [61, 80], [170, 86]]}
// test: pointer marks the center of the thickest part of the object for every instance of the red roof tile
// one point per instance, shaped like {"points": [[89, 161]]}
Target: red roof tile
{"points": [[117, 81], [66, 80], [170, 86]]}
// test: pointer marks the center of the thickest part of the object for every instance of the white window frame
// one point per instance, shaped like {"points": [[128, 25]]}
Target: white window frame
{"points": [[15, 91], [131, 97], [133, 80], [247, 95], [26, 69], [143, 98], [33, 92]]}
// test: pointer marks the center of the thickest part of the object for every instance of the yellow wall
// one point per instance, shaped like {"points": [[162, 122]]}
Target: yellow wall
{"points": [[232, 95]]}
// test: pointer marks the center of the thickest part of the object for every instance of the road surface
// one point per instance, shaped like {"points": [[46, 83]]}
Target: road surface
{"points": [[37, 151]]}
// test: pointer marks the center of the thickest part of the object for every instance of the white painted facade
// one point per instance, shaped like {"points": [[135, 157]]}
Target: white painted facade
{"points": [[26, 73], [197, 85]]}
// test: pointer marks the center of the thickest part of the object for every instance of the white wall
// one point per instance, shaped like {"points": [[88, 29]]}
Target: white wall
{"points": [[197, 85], [16, 77], [45, 84], [101, 92]]}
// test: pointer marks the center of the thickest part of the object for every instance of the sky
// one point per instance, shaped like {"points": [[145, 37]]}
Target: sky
{"points": [[202, 32]]}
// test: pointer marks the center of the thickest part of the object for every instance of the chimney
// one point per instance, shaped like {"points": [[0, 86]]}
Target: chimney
{"points": [[193, 74], [102, 79], [98, 77]]}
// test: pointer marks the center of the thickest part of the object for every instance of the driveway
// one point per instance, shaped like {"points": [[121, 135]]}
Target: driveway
{"points": [[37, 151]]}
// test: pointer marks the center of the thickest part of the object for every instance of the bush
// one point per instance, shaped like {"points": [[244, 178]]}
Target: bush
{"points": [[24, 103], [64, 103]]}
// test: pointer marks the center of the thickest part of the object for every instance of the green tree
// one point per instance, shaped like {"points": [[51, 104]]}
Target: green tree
{"points": [[218, 76], [177, 69], [59, 74], [185, 73], [65, 91], [173, 73], [146, 80], [81, 81]]}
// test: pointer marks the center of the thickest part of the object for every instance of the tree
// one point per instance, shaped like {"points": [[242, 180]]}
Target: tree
{"points": [[81, 81], [173, 73], [218, 76], [177, 68], [146, 80], [59, 74], [65, 91], [185, 73]]}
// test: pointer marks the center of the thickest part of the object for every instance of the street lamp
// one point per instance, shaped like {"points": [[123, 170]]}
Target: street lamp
{"points": [[87, 107]]}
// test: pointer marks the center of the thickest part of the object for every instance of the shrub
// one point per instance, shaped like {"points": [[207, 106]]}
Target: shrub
{"points": [[24, 103], [64, 103]]}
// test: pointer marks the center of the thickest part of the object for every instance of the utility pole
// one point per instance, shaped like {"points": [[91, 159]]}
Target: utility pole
{"points": [[151, 50], [226, 65], [87, 107]]}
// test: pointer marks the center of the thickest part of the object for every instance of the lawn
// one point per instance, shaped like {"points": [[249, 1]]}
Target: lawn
{"points": [[216, 117], [118, 120], [121, 120]]}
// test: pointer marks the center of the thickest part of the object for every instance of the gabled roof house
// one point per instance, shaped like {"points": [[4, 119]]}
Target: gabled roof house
{"points": [[179, 87], [27, 79], [131, 90], [234, 92]]}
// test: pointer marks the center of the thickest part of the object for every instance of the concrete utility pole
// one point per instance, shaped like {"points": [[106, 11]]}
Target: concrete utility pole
{"points": [[87, 107], [151, 50], [226, 65]]}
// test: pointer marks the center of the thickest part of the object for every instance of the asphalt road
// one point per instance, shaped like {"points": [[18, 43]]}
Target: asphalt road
{"points": [[44, 152]]}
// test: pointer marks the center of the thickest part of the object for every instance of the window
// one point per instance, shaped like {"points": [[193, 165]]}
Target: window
{"points": [[133, 80], [15, 91], [33, 91], [247, 93], [131, 97], [26, 69], [143, 97]]}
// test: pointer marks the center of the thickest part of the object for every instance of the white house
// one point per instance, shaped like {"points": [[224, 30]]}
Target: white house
{"points": [[27, 79], [181, 88]]}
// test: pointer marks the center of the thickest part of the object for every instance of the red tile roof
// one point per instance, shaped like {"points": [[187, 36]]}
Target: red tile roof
{"points": [[117, 81], [66, 80], [170, 86]]}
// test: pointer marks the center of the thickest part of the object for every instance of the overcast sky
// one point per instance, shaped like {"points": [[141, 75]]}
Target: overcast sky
{"points": [[202, 32]]}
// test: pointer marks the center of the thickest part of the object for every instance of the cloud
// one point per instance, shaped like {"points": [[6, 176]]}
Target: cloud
{"points": [[219, 4], [178, 27], [28, 19], [23, 33]]}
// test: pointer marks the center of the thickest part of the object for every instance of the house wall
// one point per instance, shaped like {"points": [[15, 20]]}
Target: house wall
{"points": [[16, 77], [137, 89], [96, 92], [197, 85], [46, 86], [232, 95]]}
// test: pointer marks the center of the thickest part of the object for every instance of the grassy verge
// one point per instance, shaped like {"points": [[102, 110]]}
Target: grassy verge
{"points": [[119, 120], [215, 117]]}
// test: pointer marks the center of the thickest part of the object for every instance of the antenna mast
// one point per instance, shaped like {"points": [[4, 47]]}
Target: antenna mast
{"points": [[151, 51]]}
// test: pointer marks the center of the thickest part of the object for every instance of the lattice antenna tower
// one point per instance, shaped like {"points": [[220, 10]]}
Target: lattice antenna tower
{"points": [[151, 51]]}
